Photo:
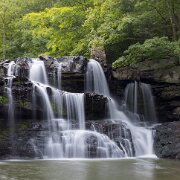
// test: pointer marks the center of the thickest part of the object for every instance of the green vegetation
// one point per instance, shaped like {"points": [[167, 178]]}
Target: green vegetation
{"points": [[3, 100], [23, 126], [23, 103], [155, 48], [73, 27]]}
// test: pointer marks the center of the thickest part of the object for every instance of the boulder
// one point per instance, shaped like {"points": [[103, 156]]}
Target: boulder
{"points": [[167, 140], [163, 70], [95, 106]]}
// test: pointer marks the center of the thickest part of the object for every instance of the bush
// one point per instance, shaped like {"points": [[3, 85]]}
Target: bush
{"points": [[153, 49], [3, 100]]}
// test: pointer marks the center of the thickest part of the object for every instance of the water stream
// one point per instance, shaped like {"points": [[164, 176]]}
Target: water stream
{"points": [[64, 113], [139, 101], [11, 120]]}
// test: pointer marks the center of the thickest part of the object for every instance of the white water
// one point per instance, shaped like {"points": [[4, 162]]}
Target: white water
{"points": [[68, 137], [149, 105], [47, 108], [142, 137], [74, 105], [59, 76], [38, 71], [139, 100], [95, 79], [78, 144], [75, 108], [10, 74]]}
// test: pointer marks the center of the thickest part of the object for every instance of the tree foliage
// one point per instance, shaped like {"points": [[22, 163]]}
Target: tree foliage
{"points": [[66, 27], [153, 49]]}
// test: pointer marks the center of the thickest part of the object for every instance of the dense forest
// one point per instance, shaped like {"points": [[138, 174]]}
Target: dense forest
{"points": [[127, 30]]}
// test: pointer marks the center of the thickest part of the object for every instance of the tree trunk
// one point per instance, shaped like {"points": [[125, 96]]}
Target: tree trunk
{"points": [[174, 19]]}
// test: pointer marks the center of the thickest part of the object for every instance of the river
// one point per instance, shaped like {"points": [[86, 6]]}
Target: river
{"points": [[125, 169]]}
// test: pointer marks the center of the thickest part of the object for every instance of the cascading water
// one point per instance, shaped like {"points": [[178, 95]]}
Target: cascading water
{"points": [[139, 101], [10, 74], [38, 71], [142, 137], [148, 101], [75, 109], [57, 75], [67, 135], [131, 96], [95, 79]]}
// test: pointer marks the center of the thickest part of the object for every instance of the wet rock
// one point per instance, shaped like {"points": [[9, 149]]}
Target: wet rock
{"points": [[5, 145], [22, 67], [73, 82], [167, 140], [73, 64], [73, 72], [1, 84], [95, 106], [163, 70], [44, 57], [126, 74], [164, 77], [116, 130]]}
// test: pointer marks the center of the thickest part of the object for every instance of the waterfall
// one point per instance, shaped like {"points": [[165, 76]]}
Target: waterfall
{"points": [[59, 75], [95, 79], [75, 108], [142, 137], [10, 74], [83, 144], [139, 100], [47, 107], [67, 134], [38, 71], [57, 98], [148, 101]]}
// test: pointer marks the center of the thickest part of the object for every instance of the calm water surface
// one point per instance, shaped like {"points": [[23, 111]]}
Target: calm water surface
{"points": [[132, 169]]}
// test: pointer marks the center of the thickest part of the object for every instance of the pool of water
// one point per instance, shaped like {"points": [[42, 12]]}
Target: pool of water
{"points": [[126, 169]]}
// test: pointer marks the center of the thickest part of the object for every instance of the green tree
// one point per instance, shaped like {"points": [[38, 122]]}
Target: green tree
{"points": [[53, 31], [151, 49]]}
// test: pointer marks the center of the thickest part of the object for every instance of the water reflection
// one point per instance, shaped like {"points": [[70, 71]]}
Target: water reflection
{"points": [[133, 169]]}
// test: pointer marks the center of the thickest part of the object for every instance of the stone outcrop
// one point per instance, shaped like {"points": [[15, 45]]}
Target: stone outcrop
{"points": [[167, 140], [163, 70], [95, 106], [163, 76], [73, 72]]}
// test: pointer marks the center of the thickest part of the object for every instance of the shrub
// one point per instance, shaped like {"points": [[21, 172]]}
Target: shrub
{"points": [[3, 100], [153, 49]]}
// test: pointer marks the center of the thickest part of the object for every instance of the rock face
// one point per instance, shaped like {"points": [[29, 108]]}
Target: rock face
{"points": [[163, 76], [95, 106], [73, 72], [167, 140]]}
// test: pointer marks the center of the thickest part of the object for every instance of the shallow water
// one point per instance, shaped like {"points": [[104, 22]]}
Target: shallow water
{"points": [[131, 169]]}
